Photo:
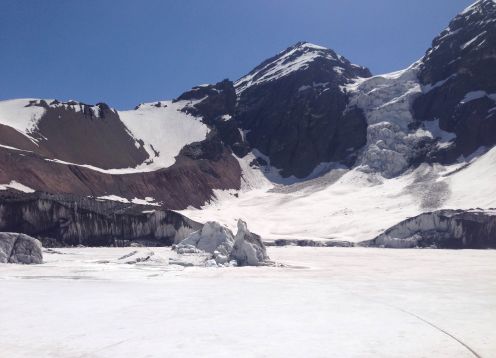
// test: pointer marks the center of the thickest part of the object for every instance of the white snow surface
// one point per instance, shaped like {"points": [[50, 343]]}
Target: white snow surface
{"points": [[15, 114], [165, 130], [326, 302], [350, 205]]}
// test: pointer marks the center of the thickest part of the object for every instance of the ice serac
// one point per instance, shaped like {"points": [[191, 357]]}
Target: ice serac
{"points": [[212, 238], [458, 75], [248, 250], [18, 248], [392, 137], [245, 249], [63, 220], [294, 111], [454, 229]]}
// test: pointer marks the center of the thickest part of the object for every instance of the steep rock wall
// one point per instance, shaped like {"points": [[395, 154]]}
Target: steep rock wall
{"points": [[59, 220]]}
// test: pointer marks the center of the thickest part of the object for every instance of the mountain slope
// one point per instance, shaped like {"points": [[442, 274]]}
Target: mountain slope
{"points": [[70, 131], [458, 75], [305, 146], [294, 112]]}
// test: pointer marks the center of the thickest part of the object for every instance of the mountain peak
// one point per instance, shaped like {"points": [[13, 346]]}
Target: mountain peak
{"points": [[299, 57], [308, 45]]}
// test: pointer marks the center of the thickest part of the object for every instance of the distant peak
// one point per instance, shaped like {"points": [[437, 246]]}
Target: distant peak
{"points": [[305, 44]]}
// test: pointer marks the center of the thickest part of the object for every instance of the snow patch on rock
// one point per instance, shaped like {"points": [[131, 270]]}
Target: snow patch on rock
{"points": [[18, 114], [16, 186]]}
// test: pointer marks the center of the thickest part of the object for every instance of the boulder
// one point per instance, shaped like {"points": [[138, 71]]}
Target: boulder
{"points": [[19, 249], [248, 250]]}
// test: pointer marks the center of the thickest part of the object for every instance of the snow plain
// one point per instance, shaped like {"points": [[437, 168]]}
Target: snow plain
{"points": [[326, 302]]}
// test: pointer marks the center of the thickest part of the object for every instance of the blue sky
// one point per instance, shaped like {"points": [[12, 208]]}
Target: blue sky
{"points": [[124, 52]]}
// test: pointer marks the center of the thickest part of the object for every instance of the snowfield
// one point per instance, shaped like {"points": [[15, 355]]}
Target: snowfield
{"points": [[350, 205], [15, 114], [326, 302], [165, 130]]}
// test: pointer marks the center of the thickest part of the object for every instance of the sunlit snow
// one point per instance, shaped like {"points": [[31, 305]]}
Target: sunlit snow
{"points": [[325, 302]]}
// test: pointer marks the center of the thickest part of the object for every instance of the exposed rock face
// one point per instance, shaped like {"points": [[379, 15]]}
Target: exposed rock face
{"points": [[211, 101], [187, 182], [454, 229], [95, 135], [67, 221], [295, 111], [248, 250], [79, 133], [458, 74], [19, 249], [216, 104]]}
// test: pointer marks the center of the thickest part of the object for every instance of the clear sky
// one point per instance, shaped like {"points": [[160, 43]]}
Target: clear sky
{"points": [[124, 52]]}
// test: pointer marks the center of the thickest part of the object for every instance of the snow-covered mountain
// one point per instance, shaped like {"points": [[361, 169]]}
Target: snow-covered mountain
{"points": [[307, 145]]}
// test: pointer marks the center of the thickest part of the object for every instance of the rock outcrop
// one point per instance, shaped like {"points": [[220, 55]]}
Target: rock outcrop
{"points": [[458, 77], [215, 105], [189, 182], [451, 229], [59, 220], [18, 248], [78, 133]]}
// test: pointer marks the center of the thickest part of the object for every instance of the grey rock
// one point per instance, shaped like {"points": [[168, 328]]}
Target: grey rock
{"points": [[20, 249]]}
